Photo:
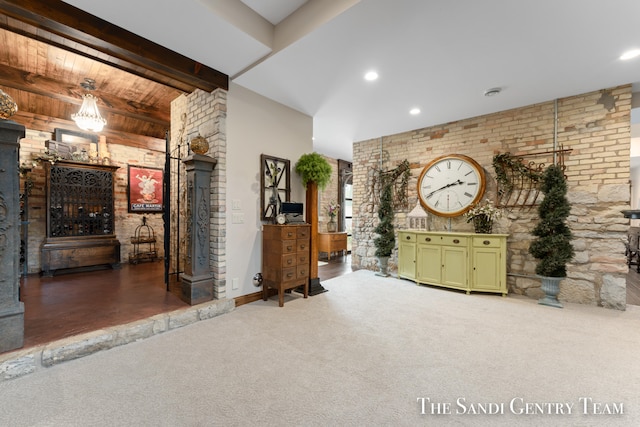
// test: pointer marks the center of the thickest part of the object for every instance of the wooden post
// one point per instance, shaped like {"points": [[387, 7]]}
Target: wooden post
{"points": [[312, 218]]}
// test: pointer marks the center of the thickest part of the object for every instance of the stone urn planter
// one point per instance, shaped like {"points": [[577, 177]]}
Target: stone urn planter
{"points": [[551, 287], [383, 266]]}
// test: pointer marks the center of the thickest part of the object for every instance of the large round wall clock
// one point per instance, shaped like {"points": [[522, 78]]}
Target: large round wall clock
{"points": [[451, 184]]}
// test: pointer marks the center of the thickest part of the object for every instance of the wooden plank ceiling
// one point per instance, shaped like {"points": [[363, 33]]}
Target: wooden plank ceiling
{"points": [[43, 62]]}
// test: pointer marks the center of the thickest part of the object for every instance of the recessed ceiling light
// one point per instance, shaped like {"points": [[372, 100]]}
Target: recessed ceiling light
{"points": [[630, 54], [371, 76], [492, 92], [414, 111]]}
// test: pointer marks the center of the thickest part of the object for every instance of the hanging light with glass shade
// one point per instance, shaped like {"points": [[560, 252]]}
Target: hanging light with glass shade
{"points": [[89, 118]]}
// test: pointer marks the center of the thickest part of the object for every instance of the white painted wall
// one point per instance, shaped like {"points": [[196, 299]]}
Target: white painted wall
{"points": [[255, 126]]}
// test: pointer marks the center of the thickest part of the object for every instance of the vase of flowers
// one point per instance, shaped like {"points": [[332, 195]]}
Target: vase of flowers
{"points": [[332, 211], [483, 216]]}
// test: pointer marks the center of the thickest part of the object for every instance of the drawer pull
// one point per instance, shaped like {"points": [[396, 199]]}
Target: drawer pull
{"points": [[486, 242], [289, 234], [408, 237], [456, 241], [427, 239], [303, 272], [289, 248], [289, 275], [301, 246], [289, 261]]}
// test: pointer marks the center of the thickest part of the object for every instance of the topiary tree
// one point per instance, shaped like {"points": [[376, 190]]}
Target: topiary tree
{"points": [[386, 240], [312, 167], [553, 244]]}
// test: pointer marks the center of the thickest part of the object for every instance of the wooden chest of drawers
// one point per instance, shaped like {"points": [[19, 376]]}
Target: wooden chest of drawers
{"points": [[285, 259]]}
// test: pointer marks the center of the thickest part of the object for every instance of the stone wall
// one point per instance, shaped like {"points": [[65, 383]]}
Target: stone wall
{"points": [[594, 126]]}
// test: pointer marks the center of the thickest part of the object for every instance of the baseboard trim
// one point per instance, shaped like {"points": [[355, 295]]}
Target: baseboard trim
{"points": [[256, 296]]}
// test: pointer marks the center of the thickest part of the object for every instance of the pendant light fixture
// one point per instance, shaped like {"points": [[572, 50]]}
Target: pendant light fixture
{"points": [[89, 118]]}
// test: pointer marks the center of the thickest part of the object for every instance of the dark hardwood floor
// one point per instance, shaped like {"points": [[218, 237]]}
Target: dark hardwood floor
{"points": [[633, 286], [74, 303]]}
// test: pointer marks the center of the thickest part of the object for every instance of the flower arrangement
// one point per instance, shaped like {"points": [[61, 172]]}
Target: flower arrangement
{"points": [[333, 209], [482, 216], [48, 156]]}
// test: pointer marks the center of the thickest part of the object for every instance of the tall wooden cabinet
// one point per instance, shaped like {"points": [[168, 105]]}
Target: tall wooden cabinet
{"points": [[465, 261], [80, 217], [285, 259]]}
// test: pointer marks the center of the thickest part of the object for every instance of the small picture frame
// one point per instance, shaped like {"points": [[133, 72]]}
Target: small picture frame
{"points": [[145, 189]]}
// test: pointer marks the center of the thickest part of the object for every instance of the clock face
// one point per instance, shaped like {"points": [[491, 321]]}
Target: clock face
{"points": [[449, 185]]}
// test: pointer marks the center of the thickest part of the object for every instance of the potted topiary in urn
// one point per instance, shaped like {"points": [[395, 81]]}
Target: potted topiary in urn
{"points": [[386, 241], [553, 244]]}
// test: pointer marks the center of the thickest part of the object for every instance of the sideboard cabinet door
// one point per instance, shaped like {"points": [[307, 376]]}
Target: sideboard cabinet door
{"points": [[407, 255]]}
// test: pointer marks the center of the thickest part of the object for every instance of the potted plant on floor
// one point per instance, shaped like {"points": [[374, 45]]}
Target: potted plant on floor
{"points": [[386, 241], [552, 247]]}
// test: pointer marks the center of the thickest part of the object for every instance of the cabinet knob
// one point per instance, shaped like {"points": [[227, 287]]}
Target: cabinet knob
{"points": [[288, 261], [486, 242], [289, 248], [302, 246], [289, 234], [408, 237], [456, 241], [289, 275], [427, 239]]}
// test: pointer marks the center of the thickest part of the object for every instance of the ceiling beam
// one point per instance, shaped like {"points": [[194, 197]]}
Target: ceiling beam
{"points": [[79, 27], [50, 124], [45, 86]]}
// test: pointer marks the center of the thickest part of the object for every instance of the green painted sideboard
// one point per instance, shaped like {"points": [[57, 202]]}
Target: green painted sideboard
{"points": [[466, 261]]}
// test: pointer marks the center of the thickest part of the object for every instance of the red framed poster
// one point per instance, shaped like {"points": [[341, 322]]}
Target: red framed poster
{"points": [[145, 189]]}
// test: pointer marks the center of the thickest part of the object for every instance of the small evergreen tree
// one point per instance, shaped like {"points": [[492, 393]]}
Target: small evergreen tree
{"points": [[386, 240], [553, 244]]}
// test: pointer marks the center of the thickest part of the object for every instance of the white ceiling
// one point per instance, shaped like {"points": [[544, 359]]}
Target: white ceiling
{"points": [[438, 55]]}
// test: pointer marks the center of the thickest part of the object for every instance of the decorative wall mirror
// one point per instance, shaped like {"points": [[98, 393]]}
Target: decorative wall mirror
{"points": [[72, 145], [275, 184]]}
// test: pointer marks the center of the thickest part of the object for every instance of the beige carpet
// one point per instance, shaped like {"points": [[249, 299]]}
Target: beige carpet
{"points": [[361, 354]]}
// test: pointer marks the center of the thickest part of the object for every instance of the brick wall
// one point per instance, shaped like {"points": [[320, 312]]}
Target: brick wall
{"points": [[594, 126], [205, 115], [125, 222]]}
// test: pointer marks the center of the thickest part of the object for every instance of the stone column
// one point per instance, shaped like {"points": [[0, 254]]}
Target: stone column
{"points": [[11, 309], [197, 280]]}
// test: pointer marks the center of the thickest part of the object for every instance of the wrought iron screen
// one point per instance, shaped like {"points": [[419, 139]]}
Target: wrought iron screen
{"points": [[80, 202]]}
